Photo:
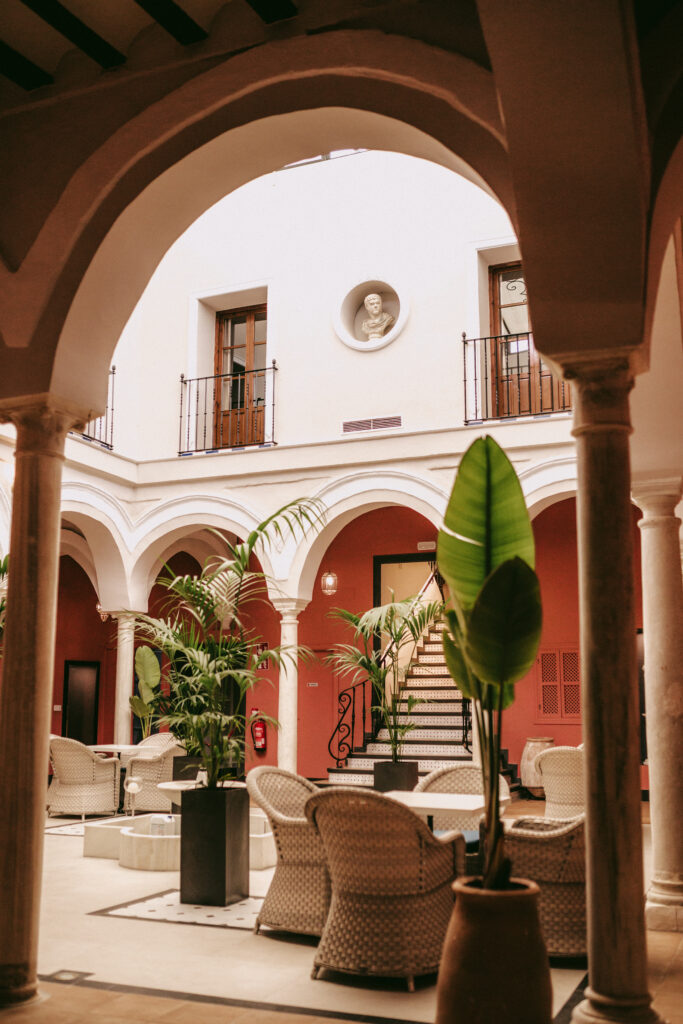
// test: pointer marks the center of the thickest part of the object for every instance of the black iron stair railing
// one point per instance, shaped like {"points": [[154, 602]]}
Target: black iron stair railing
{"points": [[356, 708]]}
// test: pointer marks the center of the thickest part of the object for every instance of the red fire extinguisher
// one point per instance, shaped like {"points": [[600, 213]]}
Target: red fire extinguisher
{"points": [[258, 731]]}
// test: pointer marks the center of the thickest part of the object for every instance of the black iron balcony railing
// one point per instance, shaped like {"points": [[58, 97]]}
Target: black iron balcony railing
{"points": [[101, 430], [230, 410], [505, 376]]}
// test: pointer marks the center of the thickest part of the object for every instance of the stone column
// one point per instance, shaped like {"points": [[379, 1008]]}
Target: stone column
{"points": [[663, 644], [288, 694], [28, 670], [614, 867], [125, 658]]}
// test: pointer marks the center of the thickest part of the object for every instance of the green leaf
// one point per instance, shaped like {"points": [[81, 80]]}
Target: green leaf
{"points": [[148, 673], [486, 521], [138, 707], [504, 628]]}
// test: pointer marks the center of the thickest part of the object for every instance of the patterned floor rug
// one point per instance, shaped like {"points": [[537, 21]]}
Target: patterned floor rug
{"points": [[166, 906]]}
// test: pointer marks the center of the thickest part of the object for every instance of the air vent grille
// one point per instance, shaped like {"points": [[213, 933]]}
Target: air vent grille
{"points": [[379, 423]]}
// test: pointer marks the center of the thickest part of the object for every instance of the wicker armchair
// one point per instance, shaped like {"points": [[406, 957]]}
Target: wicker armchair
{"points": [[462, 779], [152, 767], [82, 782], [391, 885], [561, 770], [552, 853], [298, 899]]}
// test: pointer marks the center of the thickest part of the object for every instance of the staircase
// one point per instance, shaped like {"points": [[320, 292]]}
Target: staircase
{"points": [[438, 737]]}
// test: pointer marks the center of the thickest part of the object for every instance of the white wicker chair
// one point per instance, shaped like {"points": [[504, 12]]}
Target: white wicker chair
{"points": [[460, 779], [152, 745], [561, 771], [298, 898], [552, 853], [153, 764], [391, 878], [82, 782]]}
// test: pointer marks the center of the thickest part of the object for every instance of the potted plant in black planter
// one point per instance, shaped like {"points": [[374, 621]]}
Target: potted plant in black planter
{"points": [[403, 622], [485, 553], [212, 661]]}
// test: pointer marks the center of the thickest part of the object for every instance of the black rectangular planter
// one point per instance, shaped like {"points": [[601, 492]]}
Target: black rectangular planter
{"points": [[214, 846], [389, 775]]}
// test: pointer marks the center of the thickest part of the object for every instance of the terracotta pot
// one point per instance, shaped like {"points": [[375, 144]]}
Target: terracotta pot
{"points": [[531, 779], [494, 965]]}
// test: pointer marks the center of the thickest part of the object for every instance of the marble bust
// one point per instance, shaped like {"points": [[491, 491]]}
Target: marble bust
{"points": [[378, 322]]}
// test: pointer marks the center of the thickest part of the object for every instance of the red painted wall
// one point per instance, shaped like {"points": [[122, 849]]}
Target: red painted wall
{"points": [[82, 636], [385, 531], [557, 568]]}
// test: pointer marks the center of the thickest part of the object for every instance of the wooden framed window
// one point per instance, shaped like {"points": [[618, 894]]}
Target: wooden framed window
{"points": [[558, 685], [240, 370], [520, 382]]}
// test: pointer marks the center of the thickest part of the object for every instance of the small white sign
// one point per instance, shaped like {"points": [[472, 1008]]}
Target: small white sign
{"points": [[57, 707], [426, 545], [311, 684]]}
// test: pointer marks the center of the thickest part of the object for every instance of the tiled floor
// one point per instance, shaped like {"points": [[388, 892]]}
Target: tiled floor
{"points": [[144, 971]]}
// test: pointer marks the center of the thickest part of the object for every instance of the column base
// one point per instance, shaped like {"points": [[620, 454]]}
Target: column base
{"points": [[663, 917], [16, 988], [597, 1009]]}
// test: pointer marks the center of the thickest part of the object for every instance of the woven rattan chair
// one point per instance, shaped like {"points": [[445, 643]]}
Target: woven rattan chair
{"points": [[299, 895], [152, 765], [460, 779], [555, 859], [391, 885], [561, 771], [82, 782]]}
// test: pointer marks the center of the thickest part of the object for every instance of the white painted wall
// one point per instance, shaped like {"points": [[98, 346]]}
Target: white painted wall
{"points": [[307, 235]]}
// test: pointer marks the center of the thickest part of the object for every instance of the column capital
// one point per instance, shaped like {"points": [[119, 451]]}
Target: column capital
{"points": [[600, 389], [657, 496], [42, 422], [289, 607]]}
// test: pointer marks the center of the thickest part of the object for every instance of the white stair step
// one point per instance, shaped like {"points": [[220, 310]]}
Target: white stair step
{"points": [[428, 670], [412, 749], [426, 764], [429, 695], [454, 733], [421, 720], [427, 658], [436, 702]]}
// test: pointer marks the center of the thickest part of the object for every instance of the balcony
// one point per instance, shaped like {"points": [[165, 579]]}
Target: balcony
{"points": [[227, 411], [101, 430], [505, 377]]}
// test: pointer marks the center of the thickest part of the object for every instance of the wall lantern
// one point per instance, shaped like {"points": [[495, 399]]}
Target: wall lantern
{"points": [[102, 614], [328, 583]]}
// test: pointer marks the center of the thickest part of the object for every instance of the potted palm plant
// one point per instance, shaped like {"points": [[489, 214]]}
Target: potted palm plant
{"points": [[212, 660], [403, 623], [485, 553]]}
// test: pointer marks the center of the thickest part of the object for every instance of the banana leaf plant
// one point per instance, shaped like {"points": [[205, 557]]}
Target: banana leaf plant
{"points": [[403, 622], [485, 552], [212, 657], [143, 704]]}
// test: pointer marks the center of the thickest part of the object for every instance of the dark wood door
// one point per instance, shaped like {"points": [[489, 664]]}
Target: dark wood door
{"points": [[240, 368]]}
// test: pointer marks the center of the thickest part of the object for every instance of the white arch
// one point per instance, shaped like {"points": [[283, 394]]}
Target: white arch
{"points": [[347, 498], [106, 553], [77, 547], [549, 482], [165, 529]]}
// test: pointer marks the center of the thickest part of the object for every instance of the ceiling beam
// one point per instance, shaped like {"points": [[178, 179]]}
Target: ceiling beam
{"points": [[271, 11], [76, 31], [21, 70], [174, 20]]}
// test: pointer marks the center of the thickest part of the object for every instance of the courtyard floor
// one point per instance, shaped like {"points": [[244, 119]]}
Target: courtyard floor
{"points": [[102, 968]]}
